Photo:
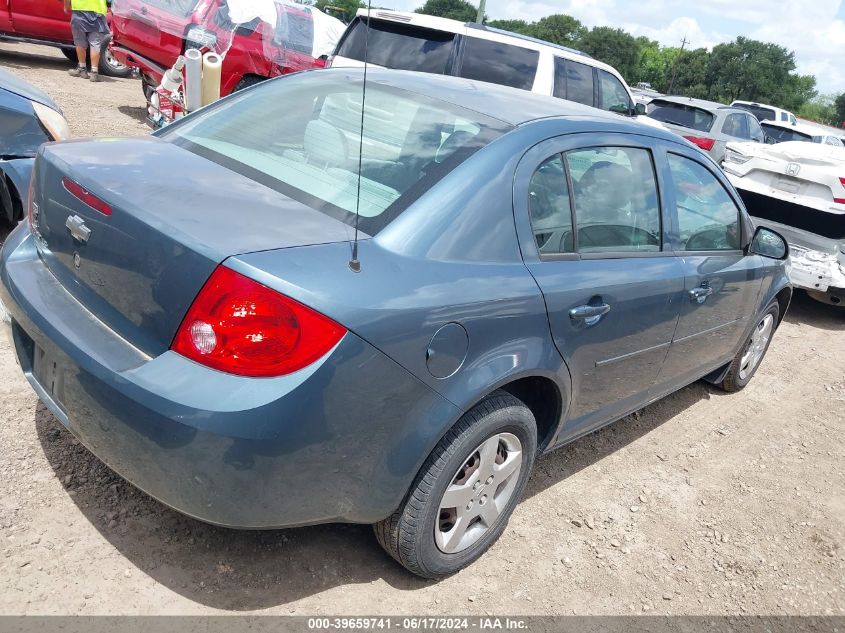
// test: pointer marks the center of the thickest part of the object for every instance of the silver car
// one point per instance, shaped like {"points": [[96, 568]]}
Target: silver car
{"points": [[708, 124]]}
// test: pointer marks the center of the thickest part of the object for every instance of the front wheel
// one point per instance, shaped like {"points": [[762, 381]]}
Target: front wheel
{"points": [[461, 500], [745, 365]]}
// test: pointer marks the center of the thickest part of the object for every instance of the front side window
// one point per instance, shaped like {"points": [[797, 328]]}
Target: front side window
{"points": [[549, 208], [708, 219], [499, 63], [397, 45], [613, 96], [301, 136], [615, 197], [574, 81], [755, 129]]}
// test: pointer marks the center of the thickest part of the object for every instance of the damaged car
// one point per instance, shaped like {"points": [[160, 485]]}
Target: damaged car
{"points": [[798, 189], [28, 118]]}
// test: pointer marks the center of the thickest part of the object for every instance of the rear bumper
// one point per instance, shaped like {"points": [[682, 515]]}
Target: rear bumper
{"points": [[339, 441], [127, 57]]}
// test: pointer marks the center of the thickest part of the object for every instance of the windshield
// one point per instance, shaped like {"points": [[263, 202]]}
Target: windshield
{"points": [[762, 114], [682, 115], [777, 134], [301, 135]]}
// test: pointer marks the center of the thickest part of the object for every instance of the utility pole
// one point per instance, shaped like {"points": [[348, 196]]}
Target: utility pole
{"points": [[684, 42], [481, 6]]}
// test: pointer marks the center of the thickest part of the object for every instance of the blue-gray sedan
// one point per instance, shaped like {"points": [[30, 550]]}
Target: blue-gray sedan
{"points": [[193, 308]]}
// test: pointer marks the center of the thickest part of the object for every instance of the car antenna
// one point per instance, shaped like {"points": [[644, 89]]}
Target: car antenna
{"points": [[354, 263]]}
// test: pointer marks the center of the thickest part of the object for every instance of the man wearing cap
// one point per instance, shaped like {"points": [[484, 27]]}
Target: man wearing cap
{"points": [[90, 30]]}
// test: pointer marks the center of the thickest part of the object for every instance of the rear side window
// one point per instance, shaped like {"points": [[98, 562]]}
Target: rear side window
{"points": [[549, 208], [499, 63], [614, 190], [736, 125], [708, 219], [400, 46], [612, 94], [574, 81], [681, 114]]}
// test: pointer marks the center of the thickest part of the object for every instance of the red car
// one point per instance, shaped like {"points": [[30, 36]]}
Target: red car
{"points": [[151, 35], [46, 22]]}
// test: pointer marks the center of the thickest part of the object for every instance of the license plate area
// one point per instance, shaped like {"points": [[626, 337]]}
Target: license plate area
{"points": [[49, 374]]}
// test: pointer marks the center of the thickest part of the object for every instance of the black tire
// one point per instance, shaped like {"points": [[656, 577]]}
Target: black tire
{"points": [[111, 67], [409, 534], [736, 378], [70, 53], [8, 203], [247, 81]]}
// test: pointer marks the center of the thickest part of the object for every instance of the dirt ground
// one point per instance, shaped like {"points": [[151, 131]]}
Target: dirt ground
{"points": [[703, 503]]}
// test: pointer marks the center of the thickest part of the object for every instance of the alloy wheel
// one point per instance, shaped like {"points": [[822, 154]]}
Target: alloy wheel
{"points": [[756, 346], [478, 493]]}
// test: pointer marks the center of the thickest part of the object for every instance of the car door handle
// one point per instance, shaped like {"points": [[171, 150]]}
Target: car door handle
{"points": [[589, 314], [701, 293]]}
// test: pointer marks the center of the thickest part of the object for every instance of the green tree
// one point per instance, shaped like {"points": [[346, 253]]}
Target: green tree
{"points": [[349, 7], [754, 71], [515, 26], [839, 110], [687, 74], [615, 47], [454, 9], [819, 109], [560, 29]]}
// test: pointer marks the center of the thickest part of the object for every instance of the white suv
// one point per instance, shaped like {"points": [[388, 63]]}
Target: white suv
{"points": [[765, 112], [413, 41]]}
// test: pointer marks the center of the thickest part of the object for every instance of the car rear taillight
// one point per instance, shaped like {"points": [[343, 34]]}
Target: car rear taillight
{"points": [[83, 195], [30, 204], [840, 200], [704, 143], [242, 327]]}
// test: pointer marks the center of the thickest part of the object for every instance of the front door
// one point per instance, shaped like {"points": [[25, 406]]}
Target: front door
{"points": [[721, 282], [592, 236], [46, 20]]}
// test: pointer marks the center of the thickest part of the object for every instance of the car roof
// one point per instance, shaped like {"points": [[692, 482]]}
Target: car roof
{"points": [[701, 103], [509, 105], [761, 105]]}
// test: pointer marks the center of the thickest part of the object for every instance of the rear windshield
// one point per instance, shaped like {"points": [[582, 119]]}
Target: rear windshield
{"points": [[778, 134], [181, 8], [397, 45], [301, 136], [762, 114], [681, 114], [499, 63]]}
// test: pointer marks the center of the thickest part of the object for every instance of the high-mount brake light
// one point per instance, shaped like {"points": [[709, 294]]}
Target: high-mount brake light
{"points": [[242, 327]]}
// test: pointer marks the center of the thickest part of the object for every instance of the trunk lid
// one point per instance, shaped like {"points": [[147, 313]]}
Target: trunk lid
{"points": [[174, 217]]}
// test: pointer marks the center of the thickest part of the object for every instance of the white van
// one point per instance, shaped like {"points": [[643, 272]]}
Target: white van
{"points": [[765, 112], [413, 41]]}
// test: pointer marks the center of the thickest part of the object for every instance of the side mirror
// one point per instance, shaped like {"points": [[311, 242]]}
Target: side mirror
{"points": [[640, 109], [767, 243]]}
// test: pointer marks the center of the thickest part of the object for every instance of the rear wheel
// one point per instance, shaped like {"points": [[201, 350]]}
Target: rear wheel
{"points": [[745, 365], [467, 489], [111, 67]]}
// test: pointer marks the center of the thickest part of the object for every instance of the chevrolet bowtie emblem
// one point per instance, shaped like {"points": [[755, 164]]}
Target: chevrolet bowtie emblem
{"points": [[77, 228]]}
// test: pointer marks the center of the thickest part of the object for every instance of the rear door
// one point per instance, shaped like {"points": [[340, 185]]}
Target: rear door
{"points": [[721, 282], [575, 81], [591, 232], [154, 29], [42, 19]]}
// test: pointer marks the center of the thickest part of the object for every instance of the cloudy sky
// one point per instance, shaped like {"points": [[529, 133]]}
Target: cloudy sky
{"points": [[814, 29]]}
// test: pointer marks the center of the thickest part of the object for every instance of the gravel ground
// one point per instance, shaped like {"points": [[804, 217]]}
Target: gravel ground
{"points": [[703, 503]]}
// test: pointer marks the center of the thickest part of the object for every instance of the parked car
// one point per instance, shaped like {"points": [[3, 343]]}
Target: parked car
{"points": [[47, 22], [28, 118], [707, 124], [777, 132], [414, 41], [765, 112], [798, 189], [151, 35], [645, 95], [257, 369]]}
